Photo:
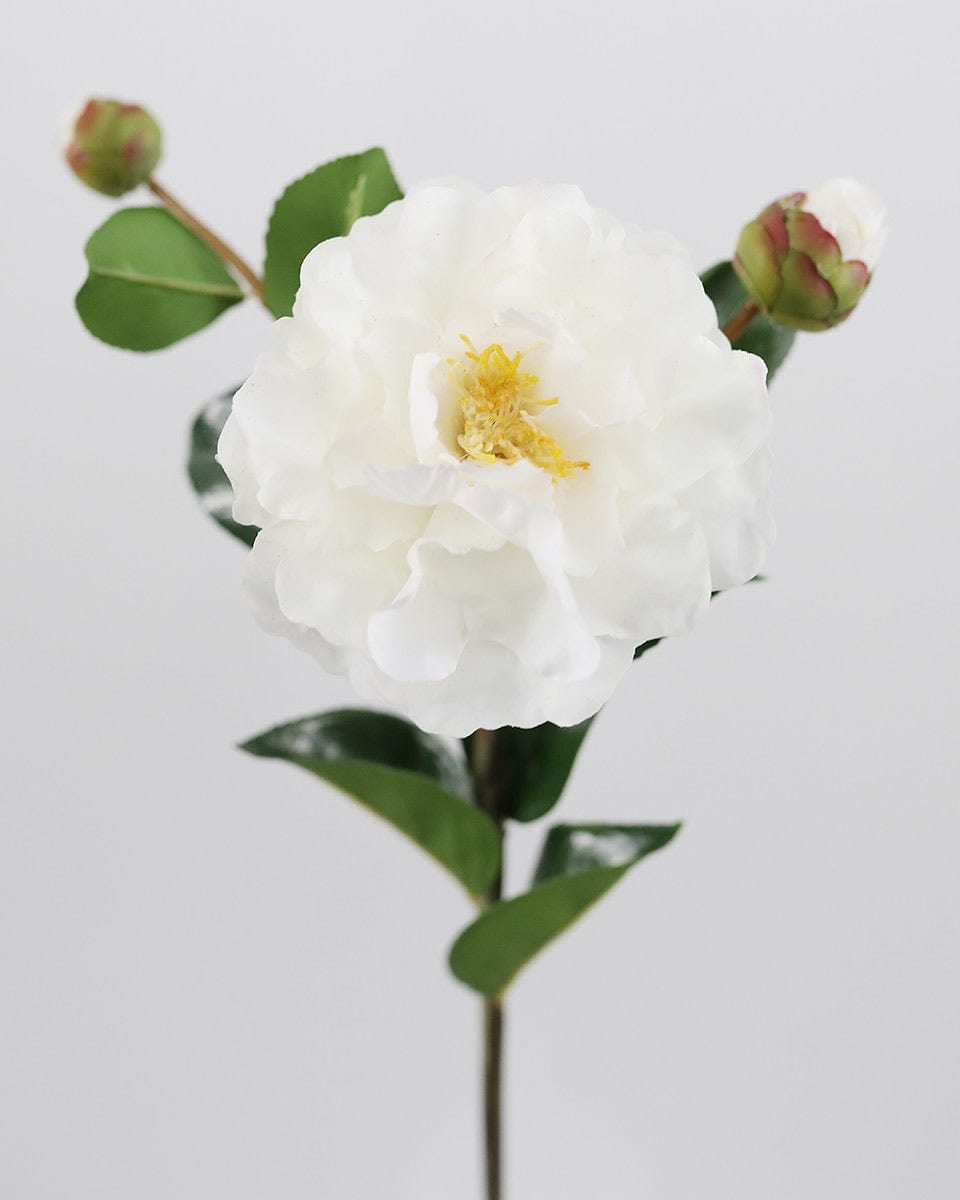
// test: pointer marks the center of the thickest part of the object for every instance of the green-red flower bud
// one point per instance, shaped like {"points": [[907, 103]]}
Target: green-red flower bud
{"points": [[113, 147], [807, 259]]}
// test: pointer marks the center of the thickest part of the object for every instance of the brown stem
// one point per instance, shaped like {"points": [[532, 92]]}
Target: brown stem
{"points": [[737, 325], [489, 797], [217, 245], [492, 1094]]}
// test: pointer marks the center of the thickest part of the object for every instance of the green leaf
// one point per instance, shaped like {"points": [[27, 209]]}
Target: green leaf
{"points": [[151, 281], [763, 337], [534, 766], [642, 649], [570, 849], [207, 476], [321, 205], [579, 864], [417, 782]]}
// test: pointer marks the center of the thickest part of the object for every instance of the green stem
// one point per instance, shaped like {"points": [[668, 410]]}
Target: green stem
{"points": [[489, 797]]}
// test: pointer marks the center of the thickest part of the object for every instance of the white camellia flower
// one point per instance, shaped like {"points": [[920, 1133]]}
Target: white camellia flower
{"points": [[500, 443], [854, 215]]}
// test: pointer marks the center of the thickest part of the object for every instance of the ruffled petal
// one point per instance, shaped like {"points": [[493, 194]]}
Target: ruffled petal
{"points": [[657, 586]]}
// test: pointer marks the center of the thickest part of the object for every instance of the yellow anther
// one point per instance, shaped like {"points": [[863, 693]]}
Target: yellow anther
{"points": [[495, 399]]}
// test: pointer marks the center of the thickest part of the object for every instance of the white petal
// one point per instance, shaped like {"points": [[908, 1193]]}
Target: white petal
{"points": [[334, 593], [233, 455], [659, 584], [732, 505], [854, 215], [717, 413], [260, 583], [418, 639]]}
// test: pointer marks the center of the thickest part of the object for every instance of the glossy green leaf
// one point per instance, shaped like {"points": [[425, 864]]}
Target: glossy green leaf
{"points": [[207, 476], [763, 337], [417, 782], [534, 765], [151, 281], [321, 205], [579, 864], [571, 849]]}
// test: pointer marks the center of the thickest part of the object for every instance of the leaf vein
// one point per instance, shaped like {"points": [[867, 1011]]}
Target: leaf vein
{"points": [[171, 284]]}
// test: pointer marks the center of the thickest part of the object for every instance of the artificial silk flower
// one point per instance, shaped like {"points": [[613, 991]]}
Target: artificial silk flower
{"points": [[500, 443], [807, 259]]}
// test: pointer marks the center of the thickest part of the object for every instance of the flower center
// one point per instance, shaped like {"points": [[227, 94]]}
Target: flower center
{"points": [[495, 399]]}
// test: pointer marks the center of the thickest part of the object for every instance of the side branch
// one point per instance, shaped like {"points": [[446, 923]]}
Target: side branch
{"points": [[216, 244], [738, 323]]}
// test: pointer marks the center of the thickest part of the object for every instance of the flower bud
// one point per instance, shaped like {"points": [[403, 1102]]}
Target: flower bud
{"points": [[807, 259], [113, 147]]}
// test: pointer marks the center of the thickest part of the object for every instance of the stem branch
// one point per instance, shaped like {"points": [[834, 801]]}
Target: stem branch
{"points": [[216, 244], [737, 325]]}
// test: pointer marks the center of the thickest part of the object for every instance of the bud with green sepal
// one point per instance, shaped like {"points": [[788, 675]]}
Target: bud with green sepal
{"points": [[113, 147], [807, 259]]}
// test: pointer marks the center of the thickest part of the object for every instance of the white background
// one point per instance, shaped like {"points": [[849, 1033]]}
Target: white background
{"points": [[221, 979]]}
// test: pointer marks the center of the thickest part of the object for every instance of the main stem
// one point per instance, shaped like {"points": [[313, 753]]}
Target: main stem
{"points": [[490, 798], [492, 1094], [216, 244]]}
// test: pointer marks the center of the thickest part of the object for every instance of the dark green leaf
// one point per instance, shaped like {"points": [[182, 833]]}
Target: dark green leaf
{"points": [[579, 864], [151, 281], [763, 337], [534, 765], [321, 205], [417, 782], [570, 849], [207, 476]]}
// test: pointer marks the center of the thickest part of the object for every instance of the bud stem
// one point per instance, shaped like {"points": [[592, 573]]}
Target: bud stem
{"points": [[219, 247], [736, 327]]}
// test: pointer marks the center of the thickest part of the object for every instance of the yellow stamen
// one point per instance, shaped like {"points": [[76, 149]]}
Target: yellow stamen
{"points": [[495, 396]]}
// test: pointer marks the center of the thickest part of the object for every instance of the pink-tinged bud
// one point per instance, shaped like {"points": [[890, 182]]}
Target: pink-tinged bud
{"points": [[807, 259], [113, 147]]}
